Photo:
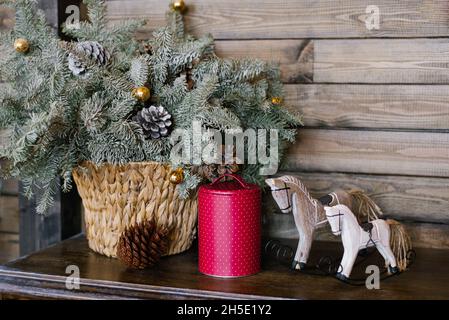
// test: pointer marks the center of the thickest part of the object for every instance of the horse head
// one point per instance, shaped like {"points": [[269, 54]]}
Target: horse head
{"points": [[334, 217], [281, 193]]}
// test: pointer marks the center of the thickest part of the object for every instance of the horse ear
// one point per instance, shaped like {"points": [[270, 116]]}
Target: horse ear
{"points": [[270, 182]]}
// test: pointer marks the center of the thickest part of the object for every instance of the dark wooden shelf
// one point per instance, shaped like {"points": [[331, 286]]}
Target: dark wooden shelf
{"points": [[42, 275]]}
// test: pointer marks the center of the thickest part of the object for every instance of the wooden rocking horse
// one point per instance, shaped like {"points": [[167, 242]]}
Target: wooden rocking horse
{"points": [[292, 196], [382, 234]]}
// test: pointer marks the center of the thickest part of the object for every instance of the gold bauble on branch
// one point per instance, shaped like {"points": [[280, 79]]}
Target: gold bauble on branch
{"points": [[177, 176], [179, 5], [141, 93], [277, 101], [22, 45]]}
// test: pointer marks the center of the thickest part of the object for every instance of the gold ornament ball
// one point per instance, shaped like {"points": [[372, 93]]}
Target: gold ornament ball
{"points": [[177, 176], [276, 100], [142, 93], [21, 45], [179, 5]]}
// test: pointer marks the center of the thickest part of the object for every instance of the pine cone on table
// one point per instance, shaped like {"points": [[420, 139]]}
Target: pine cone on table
{"points": [[142, 245], [155, 121], [87, 49]]}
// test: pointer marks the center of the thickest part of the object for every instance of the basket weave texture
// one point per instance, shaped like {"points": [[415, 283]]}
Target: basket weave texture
{"points": [[115, 197]]}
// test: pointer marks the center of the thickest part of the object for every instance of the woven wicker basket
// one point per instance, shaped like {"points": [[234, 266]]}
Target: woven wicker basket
{"points": [[115, 197]]}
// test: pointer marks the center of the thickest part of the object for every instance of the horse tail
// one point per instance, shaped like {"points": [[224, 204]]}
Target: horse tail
{"points": [[400, 243], [364, 205]]}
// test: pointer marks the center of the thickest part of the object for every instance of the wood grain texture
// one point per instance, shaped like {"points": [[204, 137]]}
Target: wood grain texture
{"points": [[371, 106], [295, 57], [9, 214], [8, 186], [421, 61], [404, 198], [249, 19], [9, 247], [177, 277], [378, 152], [427, 235]]}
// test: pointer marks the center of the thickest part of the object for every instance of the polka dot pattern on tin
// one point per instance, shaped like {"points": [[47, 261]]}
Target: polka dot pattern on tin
{"points": [[229, 230]]}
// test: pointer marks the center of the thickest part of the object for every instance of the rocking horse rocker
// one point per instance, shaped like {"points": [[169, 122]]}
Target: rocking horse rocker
{"points": [[383, 234], [292, 196]]}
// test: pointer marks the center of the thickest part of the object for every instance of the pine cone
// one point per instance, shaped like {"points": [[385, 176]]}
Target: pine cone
{"points": [[228, 169], [87, 49], [189, 79], [155, 121], [142, 245], [212, 171], [206, 171]]}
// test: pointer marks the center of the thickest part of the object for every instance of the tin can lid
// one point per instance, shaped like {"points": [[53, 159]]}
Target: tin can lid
{"points": [[229, 187]]}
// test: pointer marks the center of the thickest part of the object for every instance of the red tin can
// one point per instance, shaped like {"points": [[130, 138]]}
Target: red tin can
{"points": [[229, 231]]}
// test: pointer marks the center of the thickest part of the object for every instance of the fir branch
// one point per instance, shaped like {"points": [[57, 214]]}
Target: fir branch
{"points": [[138, 72], [191, 182], [57, 120], [175, 21], [172, 95], [92, 113]]}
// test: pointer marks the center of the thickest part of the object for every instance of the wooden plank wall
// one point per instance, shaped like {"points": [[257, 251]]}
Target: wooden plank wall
{"points": [[375, 103], [9, 220]]}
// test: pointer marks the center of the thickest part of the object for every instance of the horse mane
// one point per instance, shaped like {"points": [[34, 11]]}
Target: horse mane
{"points": [[300, 185]]}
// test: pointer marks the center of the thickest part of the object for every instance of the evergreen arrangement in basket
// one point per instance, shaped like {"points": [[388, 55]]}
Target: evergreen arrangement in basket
{"points": [[102, 109]]}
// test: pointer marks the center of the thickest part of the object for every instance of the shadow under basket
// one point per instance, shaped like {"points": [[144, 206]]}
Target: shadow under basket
{"points": [[115, 197]]}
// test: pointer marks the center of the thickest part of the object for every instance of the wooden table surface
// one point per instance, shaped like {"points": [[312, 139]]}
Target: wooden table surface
{"points": [[42, 275]]}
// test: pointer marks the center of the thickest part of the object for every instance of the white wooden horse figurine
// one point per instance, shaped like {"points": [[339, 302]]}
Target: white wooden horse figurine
{"points": [[292, 196], [354, 237]]}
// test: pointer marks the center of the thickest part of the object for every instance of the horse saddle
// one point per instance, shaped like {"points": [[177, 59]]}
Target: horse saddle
{"points": [[368, 226], [326, 200]]}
